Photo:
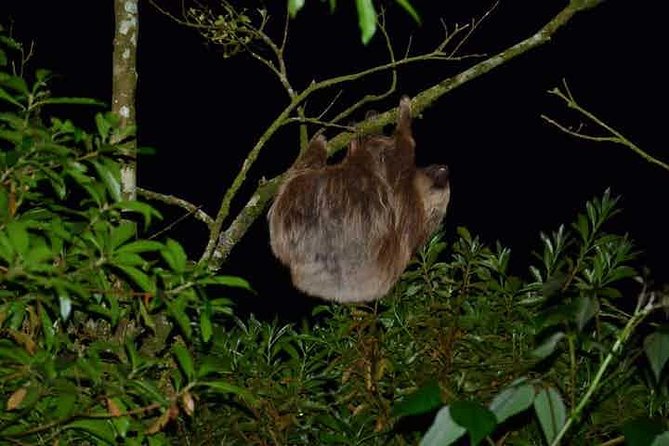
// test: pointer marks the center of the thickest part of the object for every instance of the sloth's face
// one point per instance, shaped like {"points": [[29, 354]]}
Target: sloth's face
{"points": [[434, 188]]}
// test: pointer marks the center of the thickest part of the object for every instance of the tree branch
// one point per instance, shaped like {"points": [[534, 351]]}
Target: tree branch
{"points": [[180, 202], [613, 136], [221, 243]]}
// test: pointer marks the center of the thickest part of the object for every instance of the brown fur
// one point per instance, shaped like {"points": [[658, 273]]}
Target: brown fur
{"points": [[348, 231]]}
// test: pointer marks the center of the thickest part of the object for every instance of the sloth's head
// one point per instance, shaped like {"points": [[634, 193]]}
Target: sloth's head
{"points": [[433, 186]]}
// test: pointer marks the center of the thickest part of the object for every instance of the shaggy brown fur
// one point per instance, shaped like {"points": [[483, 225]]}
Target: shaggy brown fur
{"points": [[348, 231]]}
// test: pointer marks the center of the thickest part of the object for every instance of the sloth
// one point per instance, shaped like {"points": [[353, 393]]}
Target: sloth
{"points": [[348, 231]]}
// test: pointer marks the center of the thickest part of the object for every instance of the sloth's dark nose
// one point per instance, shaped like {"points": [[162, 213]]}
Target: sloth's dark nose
{"points": [[440, 176]]}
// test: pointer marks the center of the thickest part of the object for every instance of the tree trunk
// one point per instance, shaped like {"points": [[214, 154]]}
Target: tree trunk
{"points": [[124, 85]]}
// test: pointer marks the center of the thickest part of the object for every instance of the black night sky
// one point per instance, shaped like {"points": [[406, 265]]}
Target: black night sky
{"points": [[512, 174]]}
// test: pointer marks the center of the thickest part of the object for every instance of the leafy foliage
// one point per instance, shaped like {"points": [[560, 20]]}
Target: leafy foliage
{"points": [[367, 15], [110, 336], [96, 321]]}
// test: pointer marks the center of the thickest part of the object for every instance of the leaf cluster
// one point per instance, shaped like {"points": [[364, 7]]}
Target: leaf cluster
{"points": [[96, 320]]}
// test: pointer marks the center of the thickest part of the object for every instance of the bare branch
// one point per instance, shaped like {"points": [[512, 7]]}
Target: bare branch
{"points": [[321, 123], [375, 97], [474, 26], [613, 135], [220, 244], [196, 211]]}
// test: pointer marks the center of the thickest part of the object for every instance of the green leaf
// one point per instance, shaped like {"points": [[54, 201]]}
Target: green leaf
{"points": [[185, 360], [661, 440], [551, 411], [478, 420], [205, 322], [47, 327], [641, 431], [366, 19], [176, 310], [409, 9], [294, 7], [101, 429], [548, 346], [444, 431], [425, 399], [333, 5], [142, 208], [656, 347], [139, 277], [225, 387], [140, 246], [65, 404], [111, 179], [512, 401], [71, 100], [18, 236], [231, 281], [42, 75], [586, 308], [128, 259], [174, 255], [121, 234], [103, 125], [9, 98], [13, 353]]}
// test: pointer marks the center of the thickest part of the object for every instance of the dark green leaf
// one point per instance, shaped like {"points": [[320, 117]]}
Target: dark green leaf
{"points": [[478, 420], [661, 440], [140, 246], [586, 308], [47, 328], [174, 255], [425, 399], [551, 412], [185, 360], [444, 431], [205, 322], [656, 347], [103, 125], [225, 387], [231, 281], [101, 429], [512, 401], [18, 236], [121, 234], [74, 101], [139, 277], [65, 404], [642, 431], [548, 346], [111, 179], [142, 208]]}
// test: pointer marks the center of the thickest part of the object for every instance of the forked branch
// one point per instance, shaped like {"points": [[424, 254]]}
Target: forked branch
{"points": [[224, 241], [610, 134]]}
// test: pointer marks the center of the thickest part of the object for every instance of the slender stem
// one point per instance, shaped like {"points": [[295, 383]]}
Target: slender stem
{"points": [[638, 316]]}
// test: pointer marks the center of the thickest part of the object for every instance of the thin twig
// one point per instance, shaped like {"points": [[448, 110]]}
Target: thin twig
{"points": [[220, 243], [180, 202], [614, 135]]}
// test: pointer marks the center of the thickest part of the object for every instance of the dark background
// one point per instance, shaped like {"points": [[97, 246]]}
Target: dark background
{"points": [[512, 174]]}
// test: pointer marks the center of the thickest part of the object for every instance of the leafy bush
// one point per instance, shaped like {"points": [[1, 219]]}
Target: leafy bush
{"points": [[96, 321], [110, 336]]}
